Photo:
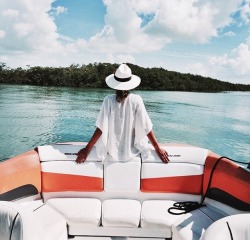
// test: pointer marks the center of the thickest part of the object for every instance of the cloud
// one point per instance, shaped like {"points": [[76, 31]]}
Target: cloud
{"points": [[183, 20], [27, 31], [197, 68], [130, 26], [245, 12], [29, 35], [2, 34], [27, 25], [58, 10], [10, 13], [122, 32], [238, 59], [166, 21], [233, 66], [241, 59], [120, 58], [150, 25], [229, 34], [23, 29]]}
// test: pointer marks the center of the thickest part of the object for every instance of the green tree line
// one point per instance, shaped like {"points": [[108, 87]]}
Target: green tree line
{"points": [[93, 75]]}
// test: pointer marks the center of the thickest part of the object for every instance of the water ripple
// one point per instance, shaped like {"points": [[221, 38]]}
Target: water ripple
{"points": [[32, 116]]}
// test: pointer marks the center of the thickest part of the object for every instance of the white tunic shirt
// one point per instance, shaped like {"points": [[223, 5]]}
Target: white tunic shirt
{"points": [[124, 128]]}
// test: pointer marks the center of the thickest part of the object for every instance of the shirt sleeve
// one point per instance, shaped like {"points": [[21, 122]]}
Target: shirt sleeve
{"points": [[102, 123], [103, 115], [143, 126]]}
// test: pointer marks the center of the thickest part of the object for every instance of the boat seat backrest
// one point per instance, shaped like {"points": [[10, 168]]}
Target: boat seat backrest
{"points": [[122, 176], [184, 173], [60, 172]]}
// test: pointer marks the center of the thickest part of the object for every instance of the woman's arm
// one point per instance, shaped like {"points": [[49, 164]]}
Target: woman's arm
{"points": [[163, 155], [83, 153]]}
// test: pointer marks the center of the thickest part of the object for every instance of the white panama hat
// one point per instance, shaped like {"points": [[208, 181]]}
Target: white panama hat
{"points": [[123, 79]]}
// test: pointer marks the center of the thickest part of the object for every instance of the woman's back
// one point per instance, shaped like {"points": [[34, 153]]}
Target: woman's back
{"points": [[123, 121]]}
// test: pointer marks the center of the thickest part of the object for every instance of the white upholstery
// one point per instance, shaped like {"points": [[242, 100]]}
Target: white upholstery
{"points": [[122, 176], [121, 213], [184, 173], [131, 238], [122, 232], [31, 221], [191, 226], [92, 238], [83, 212], [178, 154], [92, 169], [154, 214], [32, 205], [70, 176], [172, 178], [53, 224], [156, 170], [12, 215], [115, 238], [60, 152], [239, 225]]}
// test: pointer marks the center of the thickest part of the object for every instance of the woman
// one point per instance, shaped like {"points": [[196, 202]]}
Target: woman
{"points": [[123, 126]]}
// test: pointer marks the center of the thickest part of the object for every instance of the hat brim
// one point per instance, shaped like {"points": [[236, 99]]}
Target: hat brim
{"points": [[131, 84]]}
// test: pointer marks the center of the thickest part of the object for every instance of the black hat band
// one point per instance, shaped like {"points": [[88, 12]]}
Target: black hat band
{"points": [[122, 79]]}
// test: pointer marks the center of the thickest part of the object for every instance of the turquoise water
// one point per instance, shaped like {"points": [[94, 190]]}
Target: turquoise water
{"points": [[32, 116]]}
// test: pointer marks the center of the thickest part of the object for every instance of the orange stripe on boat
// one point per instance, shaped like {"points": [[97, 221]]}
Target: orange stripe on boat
{"points": [[228, 177], [182, 184], [20, 170], [58, 182]]}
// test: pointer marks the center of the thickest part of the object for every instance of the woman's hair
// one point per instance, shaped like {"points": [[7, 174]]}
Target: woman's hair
{"points": [[121, 95]]}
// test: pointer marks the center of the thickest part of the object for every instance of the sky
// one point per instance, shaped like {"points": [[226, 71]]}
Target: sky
{"points": [[204, 37]]}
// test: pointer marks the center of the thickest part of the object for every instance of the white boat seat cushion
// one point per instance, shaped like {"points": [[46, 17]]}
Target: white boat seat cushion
{"points": [[32, 221], [121, 213], [78, 211], [122, 176], [53, 224], [191, 226], [16, 217], [154, 214], [238, 224]]}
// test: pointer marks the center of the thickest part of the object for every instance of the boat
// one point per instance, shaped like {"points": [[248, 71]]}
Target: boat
{"points": [[45, 195]]}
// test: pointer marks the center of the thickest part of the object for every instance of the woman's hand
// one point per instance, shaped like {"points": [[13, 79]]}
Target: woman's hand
{"points": [[82, 155], [163, 155]]}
